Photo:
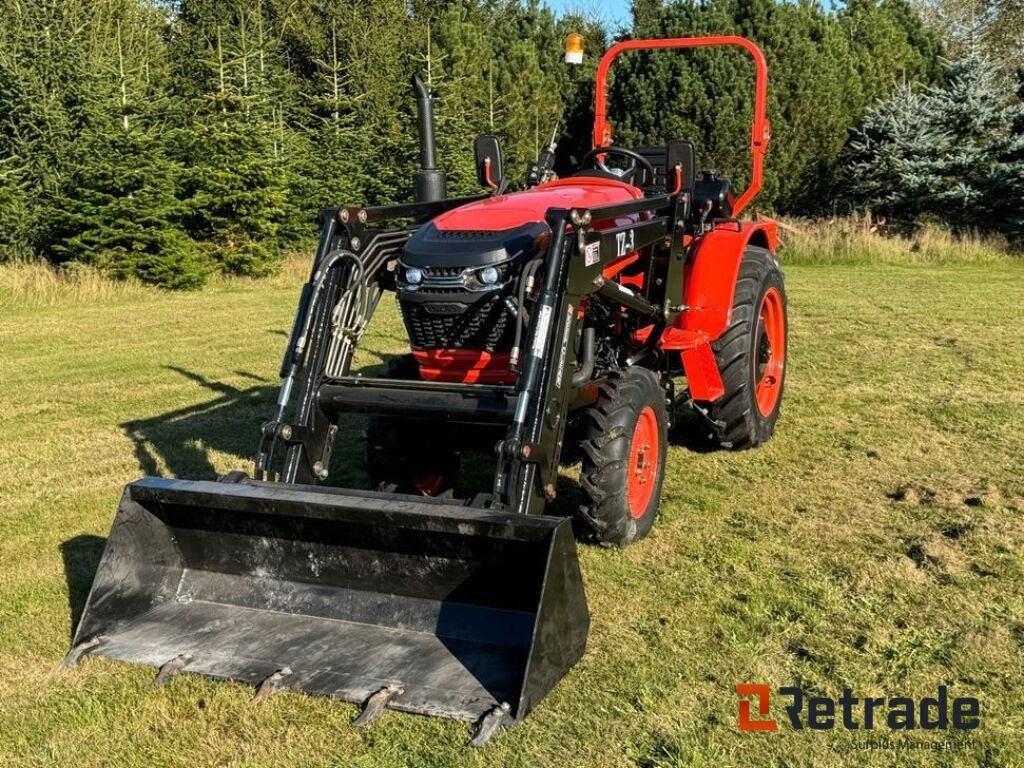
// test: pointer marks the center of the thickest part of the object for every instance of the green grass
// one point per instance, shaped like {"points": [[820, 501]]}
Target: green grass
{"points": [[875, 543]]}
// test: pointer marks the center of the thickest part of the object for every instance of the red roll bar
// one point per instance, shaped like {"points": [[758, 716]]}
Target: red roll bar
{"points": [[760, 132]]}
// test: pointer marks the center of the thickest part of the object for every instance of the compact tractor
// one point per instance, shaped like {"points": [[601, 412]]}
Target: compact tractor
{"points": [[544, 323]]}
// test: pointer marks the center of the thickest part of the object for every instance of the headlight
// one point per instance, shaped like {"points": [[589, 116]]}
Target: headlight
{"points": [[489, 275], [413, 276]]}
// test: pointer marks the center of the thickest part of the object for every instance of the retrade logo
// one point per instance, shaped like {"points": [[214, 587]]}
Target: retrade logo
{"points": [[763, 694], [821, 713]]}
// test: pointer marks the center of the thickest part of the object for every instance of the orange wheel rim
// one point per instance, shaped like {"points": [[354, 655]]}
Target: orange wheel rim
{"points": [[770, 351], [643, 463]]}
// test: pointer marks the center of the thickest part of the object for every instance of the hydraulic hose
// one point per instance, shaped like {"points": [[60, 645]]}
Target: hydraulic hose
{"points": [[522, 317]]}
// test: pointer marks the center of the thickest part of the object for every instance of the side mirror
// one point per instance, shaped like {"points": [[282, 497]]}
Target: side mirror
{"points": [[489, 168], [679, 154]]}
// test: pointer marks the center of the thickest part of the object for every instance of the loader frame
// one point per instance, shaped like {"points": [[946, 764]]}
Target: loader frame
{"points": [[536, 407], [702, 263], [554, 376]]}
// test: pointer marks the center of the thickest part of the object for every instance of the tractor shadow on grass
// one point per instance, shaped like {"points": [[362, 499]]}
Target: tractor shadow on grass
{"points": [[81, 555], [180, 443], [691, 432], [184, 442], [176, 444]]}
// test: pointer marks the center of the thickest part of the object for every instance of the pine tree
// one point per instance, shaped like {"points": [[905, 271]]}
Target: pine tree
{"points": [[890, 45], [982, 167], [125, 216], [824, 68], [954, 152], [893, 156], [13, 210]]}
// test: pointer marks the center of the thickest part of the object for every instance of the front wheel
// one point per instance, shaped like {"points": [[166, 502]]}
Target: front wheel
{"points": [[624, 453], [751, 356]]}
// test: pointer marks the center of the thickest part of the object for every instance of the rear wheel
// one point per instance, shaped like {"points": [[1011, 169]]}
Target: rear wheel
{"points": [[624, 452], [409, 455], [751, 356]]}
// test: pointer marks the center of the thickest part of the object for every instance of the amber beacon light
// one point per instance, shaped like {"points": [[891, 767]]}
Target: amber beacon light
{"points": [[574, 48]]}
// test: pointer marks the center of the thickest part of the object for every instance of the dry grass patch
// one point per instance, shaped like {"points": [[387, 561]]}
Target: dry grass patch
{"points": [[861, 240]]}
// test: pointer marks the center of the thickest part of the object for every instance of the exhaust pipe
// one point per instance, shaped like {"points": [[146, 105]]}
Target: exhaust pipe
{"points": [[430, 183]]}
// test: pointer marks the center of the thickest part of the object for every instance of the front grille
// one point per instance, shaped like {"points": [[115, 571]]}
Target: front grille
{"points": [[485, 325]]}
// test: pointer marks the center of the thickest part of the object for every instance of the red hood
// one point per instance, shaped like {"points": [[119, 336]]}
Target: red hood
{"points": [[513, 210]]}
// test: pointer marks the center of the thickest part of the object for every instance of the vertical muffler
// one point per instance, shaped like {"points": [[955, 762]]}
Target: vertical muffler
{"points": [[429, 184], [417, 605]]}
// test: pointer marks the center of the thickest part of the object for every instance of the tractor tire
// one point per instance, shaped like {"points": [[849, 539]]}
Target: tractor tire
{"points": [[409, 455], [751, 356], [624, 451]]}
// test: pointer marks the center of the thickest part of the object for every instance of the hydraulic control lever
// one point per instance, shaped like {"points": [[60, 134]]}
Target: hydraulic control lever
{"points": [[543, 168]]}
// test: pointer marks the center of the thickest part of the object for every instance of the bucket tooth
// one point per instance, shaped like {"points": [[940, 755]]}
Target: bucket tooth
{"points": [[490, 724], [272, 684], [375, 705], [82, 649], [170, 669]]}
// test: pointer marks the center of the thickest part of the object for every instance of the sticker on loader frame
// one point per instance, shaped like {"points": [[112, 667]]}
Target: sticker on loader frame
{"points": [[592, 253], [543, 323]]}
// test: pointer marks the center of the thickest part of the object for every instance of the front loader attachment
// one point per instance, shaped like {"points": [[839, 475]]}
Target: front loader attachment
{"points": [[415, 605]]}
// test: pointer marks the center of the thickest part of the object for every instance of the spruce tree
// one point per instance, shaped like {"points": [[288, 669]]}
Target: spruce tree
{"points": [[46, 74], [333, 148], [953, 152], [104, 191], [232, 148], [892, 158], [235, 194], [125, 216], [982, 167], [13, 210]]}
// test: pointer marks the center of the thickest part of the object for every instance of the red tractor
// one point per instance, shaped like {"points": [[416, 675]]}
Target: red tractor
{"points": [[546, 322]]}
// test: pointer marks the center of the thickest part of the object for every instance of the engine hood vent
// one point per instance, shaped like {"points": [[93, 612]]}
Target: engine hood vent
{"points": [[433, 248]]}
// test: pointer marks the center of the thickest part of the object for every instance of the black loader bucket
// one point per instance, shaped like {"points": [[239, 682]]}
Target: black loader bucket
{"points": [[419, 606]]}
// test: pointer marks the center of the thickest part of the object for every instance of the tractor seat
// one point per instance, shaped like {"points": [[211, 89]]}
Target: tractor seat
{"points": [[657, 157], [665, 159]]}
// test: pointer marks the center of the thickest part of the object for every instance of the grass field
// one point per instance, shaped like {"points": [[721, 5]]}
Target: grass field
{"points": [[877, 543]]}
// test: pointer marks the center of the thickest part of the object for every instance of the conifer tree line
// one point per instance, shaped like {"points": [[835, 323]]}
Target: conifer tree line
{"points": [[172, 140]]}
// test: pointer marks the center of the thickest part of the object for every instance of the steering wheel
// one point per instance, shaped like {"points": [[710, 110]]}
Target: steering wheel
{"points": [[640, 163]]}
